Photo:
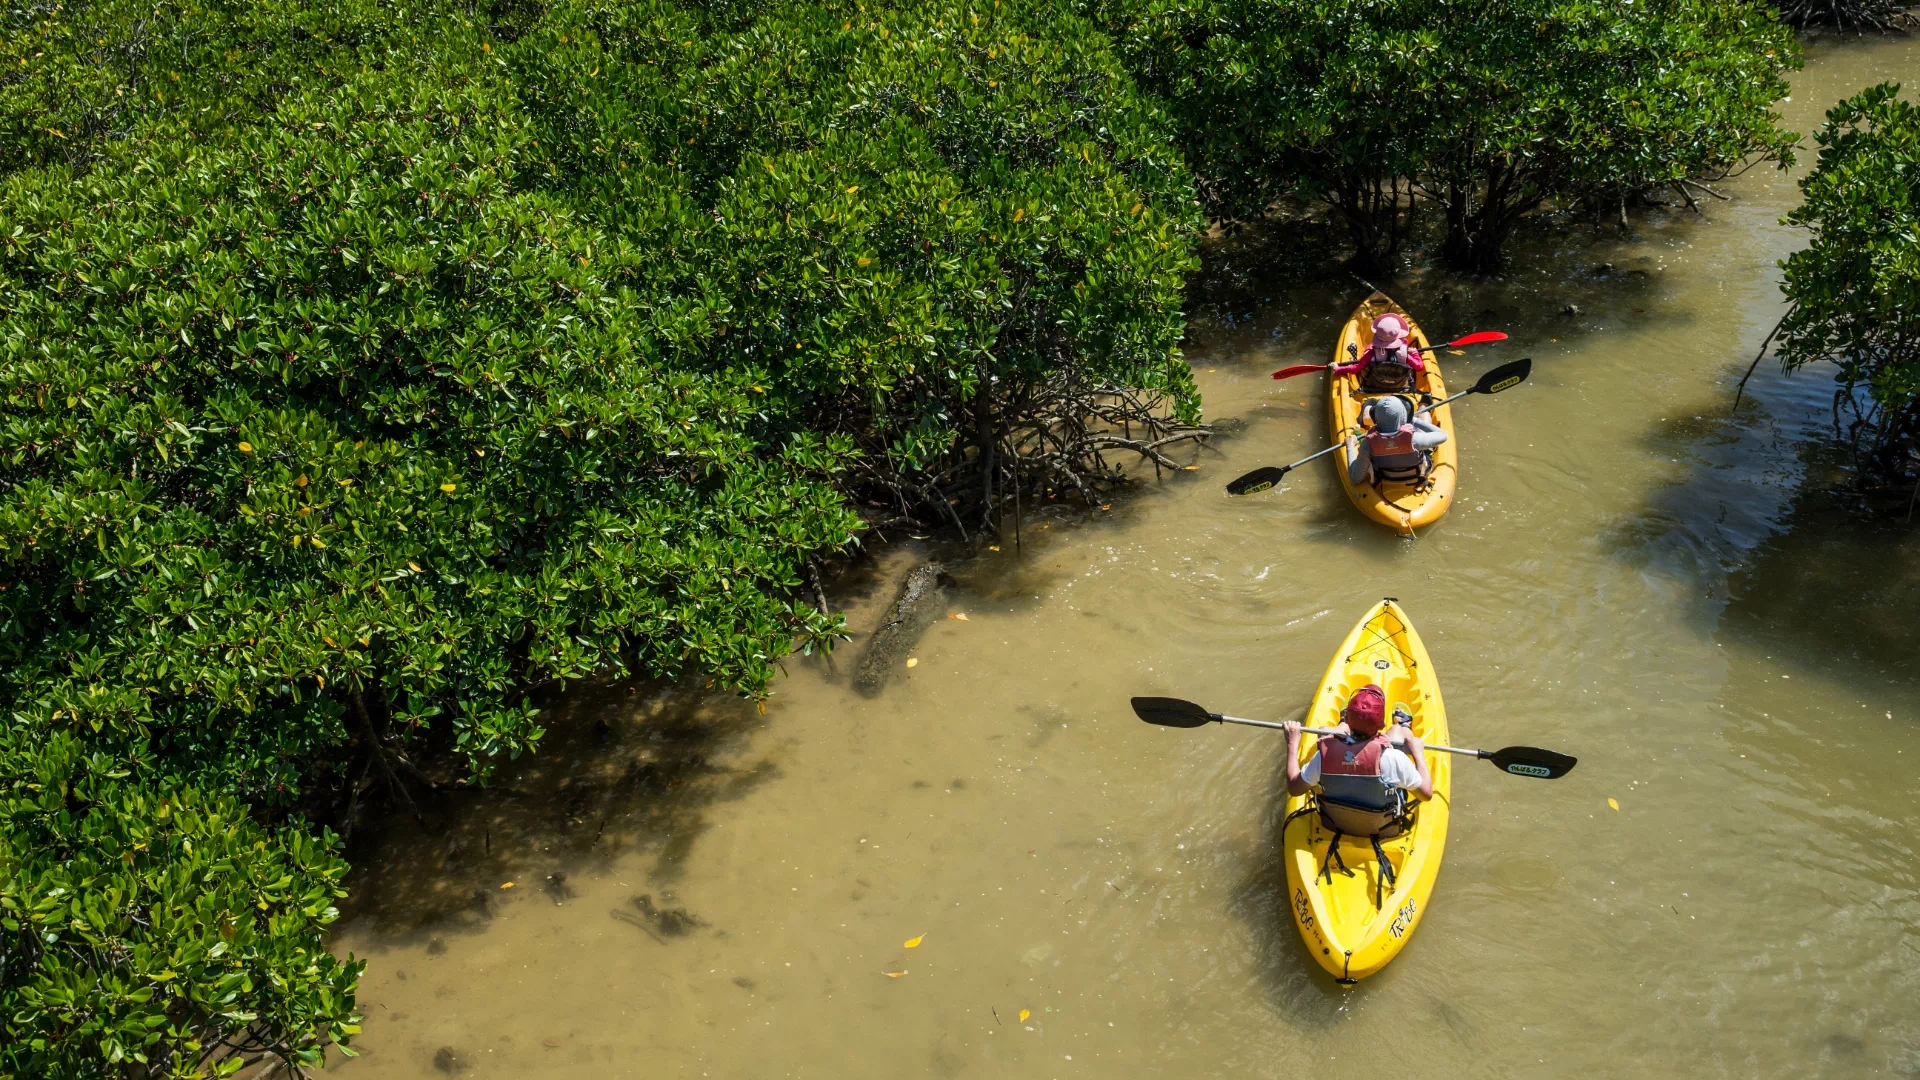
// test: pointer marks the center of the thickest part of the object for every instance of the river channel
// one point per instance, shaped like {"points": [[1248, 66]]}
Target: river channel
{"points": [[1630, 575]]}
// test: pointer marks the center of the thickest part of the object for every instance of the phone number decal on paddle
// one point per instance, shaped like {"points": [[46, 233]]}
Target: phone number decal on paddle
{"points": [[1403, 919]]}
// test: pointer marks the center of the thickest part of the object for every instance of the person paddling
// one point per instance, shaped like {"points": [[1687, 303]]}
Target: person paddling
{"points": [[1394, 759], [1399, 447], [1364, 776], [1391, 364]]}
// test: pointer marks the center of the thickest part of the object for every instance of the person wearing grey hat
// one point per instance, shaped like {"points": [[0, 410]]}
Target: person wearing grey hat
{"points": [[1397, 448]]}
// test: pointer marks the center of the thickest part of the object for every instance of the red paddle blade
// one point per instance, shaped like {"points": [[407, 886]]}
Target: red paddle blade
{"points": [[1480, 338], [1302, 369]]}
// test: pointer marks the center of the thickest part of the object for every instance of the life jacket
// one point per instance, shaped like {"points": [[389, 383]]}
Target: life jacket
{"points": [[1394, 457], [1354, 799], [1386, 371]]}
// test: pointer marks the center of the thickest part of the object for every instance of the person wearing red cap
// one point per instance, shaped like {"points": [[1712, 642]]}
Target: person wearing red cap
{"points": [[1362, 772], [1391, 363]]}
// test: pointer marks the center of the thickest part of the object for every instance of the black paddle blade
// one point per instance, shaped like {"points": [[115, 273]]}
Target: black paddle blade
{"points": [[1258, 480], [1532, 761], [1504, 377], [1171, 712]]}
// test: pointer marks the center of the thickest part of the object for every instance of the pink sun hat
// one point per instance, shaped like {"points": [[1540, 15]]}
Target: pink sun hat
{"points": [[1389, 331]]}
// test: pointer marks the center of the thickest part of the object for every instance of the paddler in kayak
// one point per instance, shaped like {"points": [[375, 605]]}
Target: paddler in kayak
{"points": [[1364, 775], [1397, 448], [1391, 363]]}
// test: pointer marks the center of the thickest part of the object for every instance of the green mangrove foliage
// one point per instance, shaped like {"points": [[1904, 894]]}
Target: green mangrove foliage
{"points": [[148, 929], [1854, 290], [77, 75], [952, 232], [1485, 110]]}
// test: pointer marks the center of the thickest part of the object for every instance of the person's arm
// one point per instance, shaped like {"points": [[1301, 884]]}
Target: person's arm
{"points": [[1296, 784], [1427, 435], [1355, 365], [1417, 750]]}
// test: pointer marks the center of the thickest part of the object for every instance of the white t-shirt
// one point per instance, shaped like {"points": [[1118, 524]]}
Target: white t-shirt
{"points": [[1396, 769]]}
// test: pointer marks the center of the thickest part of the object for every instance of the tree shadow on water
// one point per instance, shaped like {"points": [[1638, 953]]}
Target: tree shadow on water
{"points": [[624, 769]]}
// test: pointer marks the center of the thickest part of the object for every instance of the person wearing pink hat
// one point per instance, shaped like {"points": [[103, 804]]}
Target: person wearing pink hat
{"points": [[1391, 363]]}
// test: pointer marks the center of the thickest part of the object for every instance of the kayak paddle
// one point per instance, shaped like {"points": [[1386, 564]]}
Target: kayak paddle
{"points": [[1518, 760], [1480, 338], [1504, 377]]}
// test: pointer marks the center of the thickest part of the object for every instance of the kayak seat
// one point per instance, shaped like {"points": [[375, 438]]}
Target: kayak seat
{"points": [[1362, 806]]}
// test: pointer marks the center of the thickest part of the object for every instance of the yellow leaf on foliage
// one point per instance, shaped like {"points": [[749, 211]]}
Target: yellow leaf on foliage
{"points": [[326, 639], [1613, 804], [346, 483], [366, 641], [1136, 208], [893, 974], [913, 942], [300, 481], [863, 260], [322, 680], [296, 539], [762, 706], [246, 448], [913, 661], [413, 566], [853, 189], [506, 884], [319, 543], [447, 487], [960, 615], [1024, 1013], [1020, 213]]}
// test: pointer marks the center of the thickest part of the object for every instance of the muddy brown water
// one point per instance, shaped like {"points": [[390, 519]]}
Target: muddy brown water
{"points": [[1629, 576]]}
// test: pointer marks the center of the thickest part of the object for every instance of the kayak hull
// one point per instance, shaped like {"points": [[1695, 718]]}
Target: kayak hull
{"points": [[1398, 506], [1343, 928]]}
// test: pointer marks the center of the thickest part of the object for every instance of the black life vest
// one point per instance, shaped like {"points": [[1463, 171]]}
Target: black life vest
{"points": [[1386, 372]]}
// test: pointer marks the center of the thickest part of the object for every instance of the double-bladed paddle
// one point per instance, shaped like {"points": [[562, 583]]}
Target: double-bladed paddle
{"points": [[1504, 377], [1518, 760], [1481, 338]]}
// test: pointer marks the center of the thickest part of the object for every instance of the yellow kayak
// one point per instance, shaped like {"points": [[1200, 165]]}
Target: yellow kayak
{"points": [[1397, 506], [1345, 929]]}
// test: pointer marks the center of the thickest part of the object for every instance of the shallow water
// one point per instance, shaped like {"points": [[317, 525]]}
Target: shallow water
{"points": [[1629, 576]]}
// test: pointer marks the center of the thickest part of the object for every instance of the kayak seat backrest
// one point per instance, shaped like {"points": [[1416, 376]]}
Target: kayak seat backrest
{"points": [[1361, 805]]}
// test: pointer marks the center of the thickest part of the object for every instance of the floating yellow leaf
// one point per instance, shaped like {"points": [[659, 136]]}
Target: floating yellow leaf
{"points": [[1456, 352], [506, 884], [914, 942], [993, 547], [447, 487], [1106, 506], [913, 661], [1024, 1013], [960, 615], [246, 448], [1192, 468], [413, 566], [893, 974], [1613, 804]]}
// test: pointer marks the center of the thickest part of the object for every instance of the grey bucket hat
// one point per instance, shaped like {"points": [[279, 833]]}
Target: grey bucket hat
{"points": [[1389, 414]]}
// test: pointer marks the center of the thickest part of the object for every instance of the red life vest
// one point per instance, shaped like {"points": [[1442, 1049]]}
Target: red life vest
{"points": [[1394, 457], [1352, 759]]}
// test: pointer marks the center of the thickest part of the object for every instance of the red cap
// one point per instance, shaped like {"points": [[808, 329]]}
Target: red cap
{"points": [[1366, 712]]}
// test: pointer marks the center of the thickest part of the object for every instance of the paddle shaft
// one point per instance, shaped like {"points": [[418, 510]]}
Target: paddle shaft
{"points": [[1330, 731]]}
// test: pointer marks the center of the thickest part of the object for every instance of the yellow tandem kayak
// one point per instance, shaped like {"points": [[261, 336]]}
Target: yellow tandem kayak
{"points": [[1397, 506], [1345, 929]]}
